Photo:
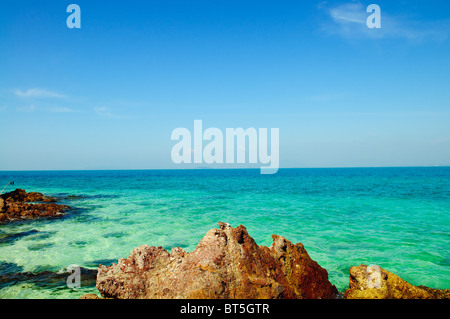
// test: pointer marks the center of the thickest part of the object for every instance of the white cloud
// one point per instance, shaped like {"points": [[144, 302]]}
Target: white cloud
{"points": [[62, 110], [38, 93], [105, 112], [349, 13], [33, 108], [349, 21]]}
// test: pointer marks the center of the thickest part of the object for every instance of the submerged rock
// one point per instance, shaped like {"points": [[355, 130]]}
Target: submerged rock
{"points": [[226, 264], [42, 278], [377, 283], [10, 238], [16, 205]]}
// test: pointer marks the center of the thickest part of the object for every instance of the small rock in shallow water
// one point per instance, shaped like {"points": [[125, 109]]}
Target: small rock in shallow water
{"points": [[20, 195], [16, 206]]}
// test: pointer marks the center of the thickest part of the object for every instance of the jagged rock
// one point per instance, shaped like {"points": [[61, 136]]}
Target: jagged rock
{"points": [[226, 264], [16, 205], [377, 283]]}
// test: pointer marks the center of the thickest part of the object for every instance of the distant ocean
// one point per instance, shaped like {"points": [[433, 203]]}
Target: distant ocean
{"points": [[398, 218]]}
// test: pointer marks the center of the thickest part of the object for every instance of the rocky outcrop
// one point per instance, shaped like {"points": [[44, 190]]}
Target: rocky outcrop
{"points": [[17, 205], [226, 264], [377, 283], [20, 195]]}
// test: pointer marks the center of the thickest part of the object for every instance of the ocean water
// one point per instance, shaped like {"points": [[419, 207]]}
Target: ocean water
{"points": [[398, 218]]}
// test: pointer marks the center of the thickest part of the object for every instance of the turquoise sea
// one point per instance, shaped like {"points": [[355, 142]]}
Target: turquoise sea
{"points": [[398, 218]]}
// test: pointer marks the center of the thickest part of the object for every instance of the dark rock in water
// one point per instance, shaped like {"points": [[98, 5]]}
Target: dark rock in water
{"points": [[226, 264], [378, 283], [41, 246], [75, 197], [9, 238], [47, 278], [9, 268], [115, 235], [96, 196], [17, 206]]}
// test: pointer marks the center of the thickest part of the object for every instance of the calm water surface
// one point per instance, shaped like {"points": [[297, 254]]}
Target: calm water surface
{"points": [[398, 218]]}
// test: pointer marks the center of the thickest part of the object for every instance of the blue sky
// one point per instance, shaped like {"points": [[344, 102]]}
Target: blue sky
{"points": [[108, 95]]}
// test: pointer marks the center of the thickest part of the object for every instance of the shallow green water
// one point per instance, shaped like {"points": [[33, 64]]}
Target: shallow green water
{"points": [[398, 218]]}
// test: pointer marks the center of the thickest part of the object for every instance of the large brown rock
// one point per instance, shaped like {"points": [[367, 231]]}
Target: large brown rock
{"points": [[226, 264], [378, 283], [16, 205]]}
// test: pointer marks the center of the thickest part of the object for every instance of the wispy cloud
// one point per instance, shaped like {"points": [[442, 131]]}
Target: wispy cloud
{"points": [[42, 93], [104, 111], [33, 108], [349, 20], [26, 109], [348, 13], [62, 110]]}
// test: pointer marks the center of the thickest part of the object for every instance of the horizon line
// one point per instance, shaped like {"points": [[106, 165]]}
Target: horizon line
{"points": [[215, 168]]}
